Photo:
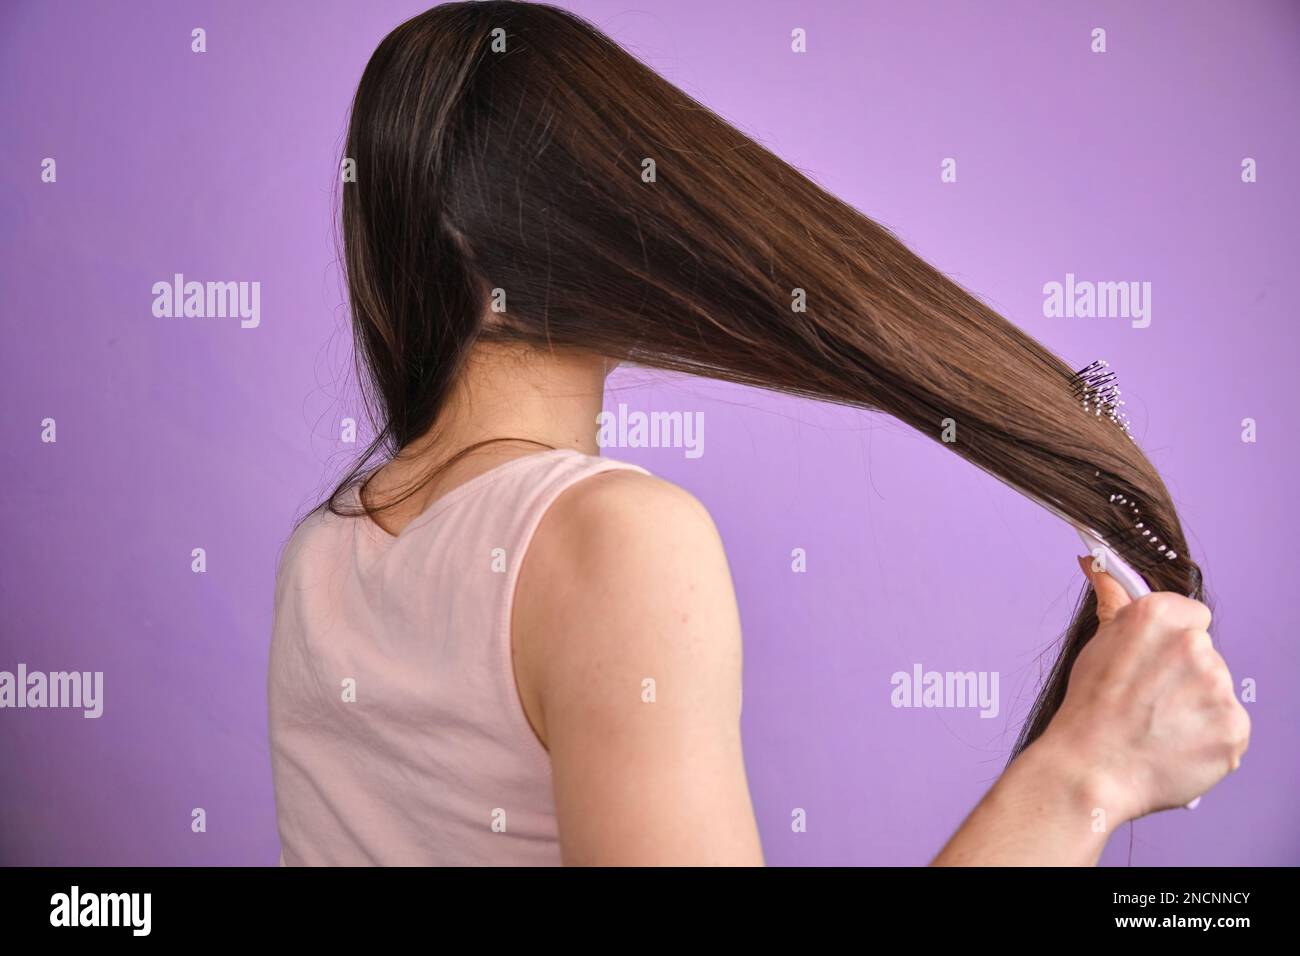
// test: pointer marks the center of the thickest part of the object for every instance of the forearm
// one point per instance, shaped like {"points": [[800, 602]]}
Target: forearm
{"points": [[1043, 811]]}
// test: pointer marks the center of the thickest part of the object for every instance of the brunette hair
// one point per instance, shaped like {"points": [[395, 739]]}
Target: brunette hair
{"points": [[507, 146]]}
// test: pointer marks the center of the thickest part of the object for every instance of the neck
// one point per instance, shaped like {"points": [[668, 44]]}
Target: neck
{"points": [[551, 397], [544, 397]]}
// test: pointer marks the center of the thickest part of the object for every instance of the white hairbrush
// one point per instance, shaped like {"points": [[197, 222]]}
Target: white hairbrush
{"points": [[1099, 393]]}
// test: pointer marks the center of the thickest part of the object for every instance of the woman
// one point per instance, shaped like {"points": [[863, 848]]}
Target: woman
{"points": [[497, 647]]}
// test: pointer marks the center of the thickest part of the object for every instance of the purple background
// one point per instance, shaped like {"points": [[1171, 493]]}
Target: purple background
{"points": [[183, 433]]}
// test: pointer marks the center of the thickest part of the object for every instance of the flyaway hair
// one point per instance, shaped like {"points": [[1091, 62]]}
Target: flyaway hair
{"points": [[504, 146]]}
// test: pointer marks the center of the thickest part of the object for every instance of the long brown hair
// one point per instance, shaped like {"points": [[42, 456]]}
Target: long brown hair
{"points": [[512, 149]]}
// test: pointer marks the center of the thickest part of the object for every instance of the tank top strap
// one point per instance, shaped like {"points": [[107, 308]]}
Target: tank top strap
{"points": [[540, 481]]}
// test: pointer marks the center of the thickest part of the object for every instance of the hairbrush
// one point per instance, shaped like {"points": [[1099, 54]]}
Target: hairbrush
{"points": [[1098, 392]]}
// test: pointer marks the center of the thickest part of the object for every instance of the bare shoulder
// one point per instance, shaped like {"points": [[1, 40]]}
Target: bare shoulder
{"points": [[626, 575], [625, 511], [628, 664], [624, 536]]}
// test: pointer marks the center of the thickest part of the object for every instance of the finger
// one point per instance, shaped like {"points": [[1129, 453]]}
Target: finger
{"points": [[1193, 614], [1179, 612], [1110, 596]]}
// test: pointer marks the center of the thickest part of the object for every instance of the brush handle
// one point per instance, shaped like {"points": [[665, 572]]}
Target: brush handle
{"points": [[1132, 582]]}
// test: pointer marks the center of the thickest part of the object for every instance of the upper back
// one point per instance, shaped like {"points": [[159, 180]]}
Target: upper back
{"points": [[397, 733]]}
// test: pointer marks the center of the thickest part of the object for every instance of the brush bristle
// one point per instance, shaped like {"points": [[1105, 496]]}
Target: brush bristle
{"points": [[1098, 392]]}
